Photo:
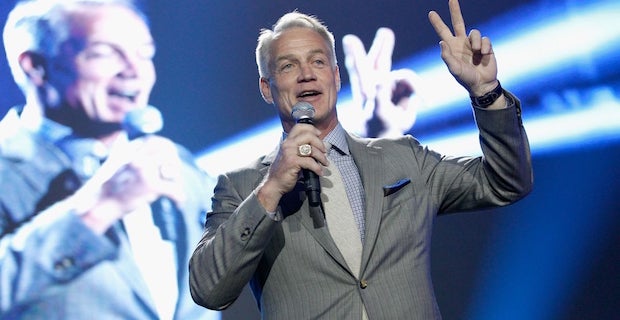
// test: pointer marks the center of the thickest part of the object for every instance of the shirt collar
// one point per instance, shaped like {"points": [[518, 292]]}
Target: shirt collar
{"points": [[337, 138], [73, 145]]}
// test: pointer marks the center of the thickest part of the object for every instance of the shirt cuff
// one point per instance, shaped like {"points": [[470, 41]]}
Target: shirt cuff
{"points": [[275, 215]]}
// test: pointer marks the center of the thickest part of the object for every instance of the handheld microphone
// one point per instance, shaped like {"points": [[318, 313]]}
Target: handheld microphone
{"points": [[143, 121], [139, 123], [303, 112]]}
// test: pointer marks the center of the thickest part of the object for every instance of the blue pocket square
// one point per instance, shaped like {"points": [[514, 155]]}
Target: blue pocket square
{"points": [[392, 188]]}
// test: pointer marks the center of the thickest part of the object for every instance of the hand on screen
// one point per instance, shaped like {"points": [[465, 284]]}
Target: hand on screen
{"points": [[388, 99]]}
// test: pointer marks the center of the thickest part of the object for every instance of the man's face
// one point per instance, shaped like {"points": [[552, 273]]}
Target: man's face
{"points": [[302, 69], [106, 68]]}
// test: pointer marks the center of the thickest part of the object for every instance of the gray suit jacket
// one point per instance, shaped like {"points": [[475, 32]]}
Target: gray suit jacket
{"points": [[295, 269], [52, 266]]}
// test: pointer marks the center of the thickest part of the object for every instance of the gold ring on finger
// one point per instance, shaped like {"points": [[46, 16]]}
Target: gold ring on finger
{"points": [[305, 150]]}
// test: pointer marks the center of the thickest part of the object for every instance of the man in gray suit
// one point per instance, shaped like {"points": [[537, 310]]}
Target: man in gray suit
{"points": [[263, 229], [80, 239]]}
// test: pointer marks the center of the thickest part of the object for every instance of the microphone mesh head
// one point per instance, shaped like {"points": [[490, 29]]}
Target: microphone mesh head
{"points": [[302, 110], [142, 121]]}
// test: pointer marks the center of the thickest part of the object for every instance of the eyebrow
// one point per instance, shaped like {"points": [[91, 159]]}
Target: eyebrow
{"points": [[150, 42], [292, 57]]}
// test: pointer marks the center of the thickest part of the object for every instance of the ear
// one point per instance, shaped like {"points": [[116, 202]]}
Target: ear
{"points": [[34, 66], [337, 78], [265, 90]]}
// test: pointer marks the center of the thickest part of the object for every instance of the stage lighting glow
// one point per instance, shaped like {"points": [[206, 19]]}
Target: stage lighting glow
{"points": [[546, 133], [239, 151], [564, 39], [594, 123]]}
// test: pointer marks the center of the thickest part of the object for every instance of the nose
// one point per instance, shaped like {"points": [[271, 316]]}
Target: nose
{"points": [[306, 73], [129, 67], [132, 65]]}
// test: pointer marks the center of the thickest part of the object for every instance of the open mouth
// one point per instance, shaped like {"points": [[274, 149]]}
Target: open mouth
{"points": [[129, 96], [310, 93]]}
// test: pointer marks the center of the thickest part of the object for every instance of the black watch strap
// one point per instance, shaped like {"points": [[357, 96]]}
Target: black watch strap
{"points": [[488, 98]]}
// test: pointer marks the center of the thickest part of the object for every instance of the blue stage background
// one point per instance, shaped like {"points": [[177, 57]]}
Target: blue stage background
{"points": [[554, 255]]}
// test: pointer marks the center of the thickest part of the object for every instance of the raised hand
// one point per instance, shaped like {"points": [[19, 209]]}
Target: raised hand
{"points": [[469, 58]]}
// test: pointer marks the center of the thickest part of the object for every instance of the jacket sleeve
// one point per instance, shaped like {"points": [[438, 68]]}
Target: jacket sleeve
{"points": [[237, 232], [53, 248], [501, 176]]}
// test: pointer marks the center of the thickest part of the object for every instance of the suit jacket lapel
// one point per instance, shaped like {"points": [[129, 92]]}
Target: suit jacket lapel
{"points": [[125, 265], [311, 218], [307, 216], [369, 161]]}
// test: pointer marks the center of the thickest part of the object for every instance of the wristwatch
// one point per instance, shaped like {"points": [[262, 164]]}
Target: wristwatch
{"points": [[488, 98]]}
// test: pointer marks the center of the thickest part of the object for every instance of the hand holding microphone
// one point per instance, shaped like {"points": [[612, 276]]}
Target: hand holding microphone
{"points": [[147, 121], [302, 150], [157, 151], [146, 170], [148, 159], [303, 112]]}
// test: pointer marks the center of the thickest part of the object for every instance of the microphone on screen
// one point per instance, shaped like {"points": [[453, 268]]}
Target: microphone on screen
{"points": [[143, 121], [139, 123], [303, 112]]}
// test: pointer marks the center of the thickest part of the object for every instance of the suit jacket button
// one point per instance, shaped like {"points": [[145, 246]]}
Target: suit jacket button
{"points": [[246, 233], [363, 284]]}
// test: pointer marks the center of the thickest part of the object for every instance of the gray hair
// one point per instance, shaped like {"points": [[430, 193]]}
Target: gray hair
{"points": [[41, 26], [288, 21]]}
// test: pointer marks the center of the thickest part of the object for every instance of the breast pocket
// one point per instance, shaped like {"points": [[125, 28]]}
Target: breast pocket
{"points": [[397, 192]]}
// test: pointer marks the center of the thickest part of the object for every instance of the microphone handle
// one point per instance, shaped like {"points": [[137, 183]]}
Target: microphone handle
{"points": [[139, 123], [313, 187], [166, 216], [311, 179]]}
